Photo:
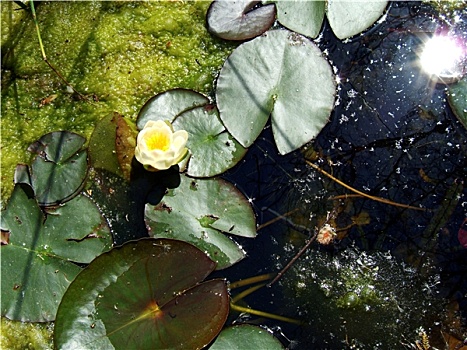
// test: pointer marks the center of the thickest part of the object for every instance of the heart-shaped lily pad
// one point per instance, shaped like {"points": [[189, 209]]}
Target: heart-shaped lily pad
{"points": [[239, 20], [246, 336], [348, 18], [213, 150], [457, 98], [281, 74], [146, 294], [59, 170], [37, 263], [202, 211]]}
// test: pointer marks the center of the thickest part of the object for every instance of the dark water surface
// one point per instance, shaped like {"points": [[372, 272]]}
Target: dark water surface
{"points": [[391, 135]]}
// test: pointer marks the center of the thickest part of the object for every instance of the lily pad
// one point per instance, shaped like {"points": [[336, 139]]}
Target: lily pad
{"points": [[245, 337], [304, 17], [201, 212], [239, 20], [281, 74], [102, 145], [169, 105], [457, 98], [348, 18], [213, 150], [146, 294], [38, 261], [59, 170]]}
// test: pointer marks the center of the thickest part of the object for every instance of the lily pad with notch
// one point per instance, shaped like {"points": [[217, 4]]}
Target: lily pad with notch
{"points": [[38, 261], [204, 212], [281, 74], [146, 294], [59, 170], [239, 20]]}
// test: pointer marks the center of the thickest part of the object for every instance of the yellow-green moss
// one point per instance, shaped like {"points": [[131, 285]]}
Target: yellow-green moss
{"points": [[120, 53]]}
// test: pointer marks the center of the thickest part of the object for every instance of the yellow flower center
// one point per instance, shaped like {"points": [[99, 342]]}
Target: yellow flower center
{"points": [[159, 141]]}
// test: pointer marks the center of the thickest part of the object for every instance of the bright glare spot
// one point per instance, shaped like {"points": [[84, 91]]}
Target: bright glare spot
{"points": [[442, 55]]}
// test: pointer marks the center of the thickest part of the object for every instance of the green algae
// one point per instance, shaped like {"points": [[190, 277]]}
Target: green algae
{"points": [[118, 54], [25, 336]]}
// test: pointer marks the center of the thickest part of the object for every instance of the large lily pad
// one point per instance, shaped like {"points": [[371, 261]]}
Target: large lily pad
{"points": [[281, 74], [348, 18], [457, 98], [37, 263], [212, 149], [239, 20], [245, 336], [59, 170], [145, 294], [202, 211], [304, 17]]}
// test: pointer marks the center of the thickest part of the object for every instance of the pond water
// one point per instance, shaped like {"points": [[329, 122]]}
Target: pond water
{"points": [[395, 273], [391, 135]]}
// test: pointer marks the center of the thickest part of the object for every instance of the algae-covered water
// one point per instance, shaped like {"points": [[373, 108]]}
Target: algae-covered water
{"points": [[118, 54]]}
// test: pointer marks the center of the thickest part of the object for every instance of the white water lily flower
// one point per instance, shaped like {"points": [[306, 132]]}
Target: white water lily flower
{"points": [[158, 147]]}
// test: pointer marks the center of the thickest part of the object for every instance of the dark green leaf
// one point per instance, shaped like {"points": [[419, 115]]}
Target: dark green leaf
{"points": [[59, 170], [37, 263], [145, 294], [102, 145]]}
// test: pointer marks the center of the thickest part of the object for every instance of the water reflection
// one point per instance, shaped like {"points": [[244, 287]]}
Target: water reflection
{"points": [[392, 135]]}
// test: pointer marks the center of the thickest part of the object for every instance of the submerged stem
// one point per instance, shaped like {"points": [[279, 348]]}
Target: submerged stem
{"points": [[377, 199], [44, 56], [264, 314]]}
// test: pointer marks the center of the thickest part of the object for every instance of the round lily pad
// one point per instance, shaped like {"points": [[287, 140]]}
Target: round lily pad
{"points": [[59, 170], [281, 74], [146, 294]]}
